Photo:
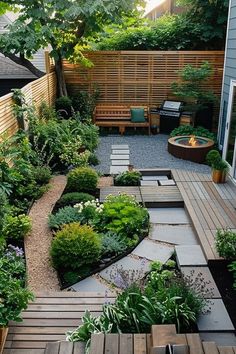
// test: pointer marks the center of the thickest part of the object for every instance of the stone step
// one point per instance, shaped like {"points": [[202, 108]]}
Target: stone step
{"points": [[120, 162], [118, 169], [153, 251], [120, 152], [120, 147], [119, 157], [190, 255], [174, 234], [168, 216], [169, 182], [154, 178]]}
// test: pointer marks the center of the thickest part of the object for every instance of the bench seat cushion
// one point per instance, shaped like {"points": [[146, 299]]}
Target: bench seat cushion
{"points": [[137, 115]]}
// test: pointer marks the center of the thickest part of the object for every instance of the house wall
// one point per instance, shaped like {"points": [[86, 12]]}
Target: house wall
{"points": [[7, 84], [229, 68], [168, 6]]}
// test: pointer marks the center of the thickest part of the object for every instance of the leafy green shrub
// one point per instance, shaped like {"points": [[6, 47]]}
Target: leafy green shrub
{"points": [[64, 106], [82, 179], [123, 215], [3, 208], [47, 112], [189, 130], [212, 157], [74, 246], [42, 174], [16, 227], [85, 102], [113, 244], [64, 216], [89, 134], [128, 178], [74, 198], [226, 244], [72, 155], [89, 211], [93, 160], [232, 268]]}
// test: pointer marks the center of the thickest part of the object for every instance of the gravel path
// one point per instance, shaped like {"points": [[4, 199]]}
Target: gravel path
{"points": [[41, 275], [145, 152]]}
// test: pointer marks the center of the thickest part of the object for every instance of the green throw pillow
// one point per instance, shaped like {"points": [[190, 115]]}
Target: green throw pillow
{"points": [[137, 115]]}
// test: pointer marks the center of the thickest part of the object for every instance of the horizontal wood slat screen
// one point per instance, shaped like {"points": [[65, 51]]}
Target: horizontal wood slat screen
{"points": [[43, 89], [143, 77]]}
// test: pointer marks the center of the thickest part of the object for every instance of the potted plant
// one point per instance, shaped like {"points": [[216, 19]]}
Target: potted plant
{"points": [[14, 297], [218, 165], [190, 89]]}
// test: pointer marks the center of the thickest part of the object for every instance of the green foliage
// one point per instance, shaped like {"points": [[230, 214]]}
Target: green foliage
{"points": [[63, 106], [189, 130], [85, 102], [42, 174], [226, 244], [72, 155], [89, 134], [16, 227], [75, 246], [89, 212], [191, 88], [166, 298], [82, 179], [93, 160], [212, 157], [14, 297], [113, 244], [74, 198], [47, 112], [123, 215], [232, 268], [3, 208], [64, 216], [128, 178]]}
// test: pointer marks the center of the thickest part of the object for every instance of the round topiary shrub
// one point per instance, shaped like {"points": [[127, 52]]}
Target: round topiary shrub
{"points": [[75, 246], [82, 179], [74, 198]]}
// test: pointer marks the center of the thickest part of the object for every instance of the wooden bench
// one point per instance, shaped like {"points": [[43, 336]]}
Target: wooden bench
{"points": [[119, 116]]}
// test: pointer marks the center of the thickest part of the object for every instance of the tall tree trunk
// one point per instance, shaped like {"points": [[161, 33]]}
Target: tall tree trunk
{"points": [[61, 82]]}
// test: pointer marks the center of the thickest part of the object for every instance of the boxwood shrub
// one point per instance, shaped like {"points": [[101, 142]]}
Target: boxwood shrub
{"points": [[82, 179], [74, 198]]}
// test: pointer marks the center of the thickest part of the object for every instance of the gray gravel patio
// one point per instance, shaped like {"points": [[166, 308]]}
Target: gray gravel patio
{"points": [[145, 152]]}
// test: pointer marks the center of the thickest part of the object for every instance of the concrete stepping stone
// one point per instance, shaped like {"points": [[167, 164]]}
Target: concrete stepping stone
{"points": [[191, 255], [120, 162], [202, 275], [175, 234], [91, 284], [118, 169], [154, 178], [169, 182], [120, 152], [168, 216], [153, 251], [221, 339], [149, 183], [119, 157], [216, 320], [139, 266], [120, 147]]}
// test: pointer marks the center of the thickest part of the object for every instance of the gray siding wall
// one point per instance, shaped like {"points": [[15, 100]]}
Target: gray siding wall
{"points": [[230, 67]]}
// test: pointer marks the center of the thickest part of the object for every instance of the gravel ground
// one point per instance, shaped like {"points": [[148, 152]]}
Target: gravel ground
{"points": [[41, 275], [145, 152]]}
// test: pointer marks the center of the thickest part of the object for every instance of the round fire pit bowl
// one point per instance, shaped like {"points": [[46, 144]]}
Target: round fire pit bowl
{"points": [[192, 148]]}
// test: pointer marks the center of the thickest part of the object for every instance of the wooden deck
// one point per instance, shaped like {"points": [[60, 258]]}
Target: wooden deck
{"points": [[210, 206], [48, 318]]}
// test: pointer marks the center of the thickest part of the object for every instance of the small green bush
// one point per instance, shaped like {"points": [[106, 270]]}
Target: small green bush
{"points": [[16, 227], [212, 157], [75, 246], [74, 198], [64, 216], [3, 208], [93, 160], [113, 244], [128, 178], [82, 179], [226, 244], [64, 106], [42, 174]]}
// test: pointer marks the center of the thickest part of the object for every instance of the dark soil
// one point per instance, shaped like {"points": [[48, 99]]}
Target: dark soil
{"points": [[224, 282]]}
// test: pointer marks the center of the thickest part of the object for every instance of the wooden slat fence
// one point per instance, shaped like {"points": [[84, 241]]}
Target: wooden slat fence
{"points": [[142, 77], [43, 89]]}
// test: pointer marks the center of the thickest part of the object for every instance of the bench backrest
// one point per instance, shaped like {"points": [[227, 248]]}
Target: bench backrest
{"points": [[116, 112]]}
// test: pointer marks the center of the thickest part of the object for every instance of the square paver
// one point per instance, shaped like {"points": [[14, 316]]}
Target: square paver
{"points": [[221, 339], [161, 194], [154, 178], [175, 234], [120, 162], [170, 216], [91, 284], [153, 251], [120, 147], [216, 320], [115, 190], [139, 266], [200, 275], [168, 182], [149, 183], [120, 152], [118, 169], [191, 255], [119, 157]]}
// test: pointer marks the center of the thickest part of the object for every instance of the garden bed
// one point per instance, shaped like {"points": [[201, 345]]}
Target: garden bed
{"points": [[224, 282]]}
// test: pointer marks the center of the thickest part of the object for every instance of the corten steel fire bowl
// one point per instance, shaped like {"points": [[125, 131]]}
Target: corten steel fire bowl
{"points": [[189, 147]]}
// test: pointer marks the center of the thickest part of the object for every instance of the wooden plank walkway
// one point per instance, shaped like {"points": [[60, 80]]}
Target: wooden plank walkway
{"points": [[210, 206], [49, 317]]}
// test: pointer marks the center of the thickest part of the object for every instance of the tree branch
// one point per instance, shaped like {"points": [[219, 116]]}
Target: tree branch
{"points": [[24, 62]]}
